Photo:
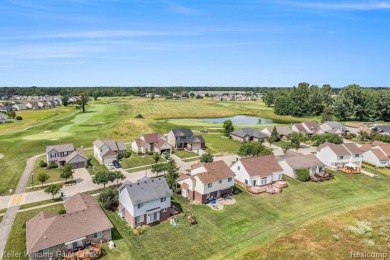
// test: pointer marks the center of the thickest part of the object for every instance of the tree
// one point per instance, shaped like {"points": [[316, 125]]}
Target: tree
{"points": [[228, 127], [166, 155], [269, 98], [296, 139], [11, 114], [274, 136], [206, 158], [254, 149], [283, 104], [103, 178], [83, 101], [158, 168], [109, 198], [53, 189], [156, 157], [96, 95], [172, 173], [42, 177], [118, 175], [66, 171], [42, 163], [65, 100], [327, 114], [303, 175]]}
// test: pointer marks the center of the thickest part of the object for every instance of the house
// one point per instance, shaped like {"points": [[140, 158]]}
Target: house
{"points": [[6, 108], [332, 127], [49, 235], [377, 154], [19, 107], [145, 201], [42, 104], [292, 162], [356, 127], [256, 173], [151, 143], [107, 151], [345, 157], [308, 128], [247, 134], [382, 129], [65, 153], [282, 131], [3, 118], [207, 181], [32, 105], [182, 139]]}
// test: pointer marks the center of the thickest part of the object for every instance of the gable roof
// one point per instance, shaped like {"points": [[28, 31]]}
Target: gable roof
{"points": [[383, 128], [250, 132], [352, 147], [303, 161], [300, 127], [152, 138], [75, 154], [353, 124], [146, 189], [195, 139], [60, 148], [141, 143], [215, 171], [341, 149], [282, 130], [262, 166], [83, 217], [379, 154], [182, 132], [333, 124], [161, 143]]}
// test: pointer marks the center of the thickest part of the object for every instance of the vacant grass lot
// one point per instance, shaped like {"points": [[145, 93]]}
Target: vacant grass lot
{"points": [[136, 160], [363, 230], [17, 239]]}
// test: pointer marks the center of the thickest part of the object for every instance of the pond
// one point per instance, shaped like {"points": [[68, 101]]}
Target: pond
{"points": [[237, 120]]}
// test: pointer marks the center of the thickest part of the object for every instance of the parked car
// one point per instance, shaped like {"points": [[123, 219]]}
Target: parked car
{"points": [[110, 166], [116, 164]]}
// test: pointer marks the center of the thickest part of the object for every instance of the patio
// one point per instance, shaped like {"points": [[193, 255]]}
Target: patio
{"points": [[219, 204], [273, 188], [93, 251]]}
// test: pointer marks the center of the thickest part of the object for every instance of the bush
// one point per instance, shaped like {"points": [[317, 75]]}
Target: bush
{"points": [[178, 191], [62, 211], [139, 116], [52, 166], [120, 156], [303, 175], [139, 153], [19, 118], [126, 155], [42, 164]]}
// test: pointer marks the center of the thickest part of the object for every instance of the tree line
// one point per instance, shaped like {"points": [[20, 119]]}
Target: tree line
{"points": [[351, 103]]}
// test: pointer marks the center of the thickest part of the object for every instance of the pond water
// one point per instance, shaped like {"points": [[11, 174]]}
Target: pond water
{"points": [[240, 120]]}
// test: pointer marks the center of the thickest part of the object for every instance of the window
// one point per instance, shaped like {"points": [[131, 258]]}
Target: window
{"points": [[220, 181], [264, 180], [209, 185], [98, 235], [139, 219], [165, 210], [280, 176], [230, 179], [238, 167], [341, 157], [45, 252], [163, 199], [140, 205], [246, 181], [357, 155]]}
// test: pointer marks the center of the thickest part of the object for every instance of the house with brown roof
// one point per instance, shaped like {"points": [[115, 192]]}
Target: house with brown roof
{"points": [[308, 128], [66, 153], [377, 154], [207, 181], [106, 151], [257, 172], [346, 157], [356, 127], [49, 235], [145, 201], [292, 162], [151, 143], [183, 138]]}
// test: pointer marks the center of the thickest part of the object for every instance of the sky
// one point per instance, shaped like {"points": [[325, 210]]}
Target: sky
{"points": [[269, 43]]}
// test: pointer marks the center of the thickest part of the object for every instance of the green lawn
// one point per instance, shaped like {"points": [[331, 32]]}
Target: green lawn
{"points": [[376, 170], [220, 144], [253, 221], [17, 239], [136, 160], [54, 173], [183, 154]]}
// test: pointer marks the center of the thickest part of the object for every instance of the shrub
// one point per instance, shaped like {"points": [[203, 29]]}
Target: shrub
{"points": [[139, 153], [126, 155], [139, 116], [62, 211], [19, 118], [303, 175], [120, 156], [178, 191], [52, 165], [42, 164]]}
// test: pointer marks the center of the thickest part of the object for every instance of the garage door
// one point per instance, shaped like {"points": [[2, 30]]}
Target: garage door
{"points": [[196, 146], [78, 165]]}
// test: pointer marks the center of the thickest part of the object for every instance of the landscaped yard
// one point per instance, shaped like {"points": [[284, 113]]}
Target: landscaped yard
{"points": [[183, 154], [376, 170], [54, 173]]}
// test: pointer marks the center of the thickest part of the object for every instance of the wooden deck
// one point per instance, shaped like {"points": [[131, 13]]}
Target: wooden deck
{"points": [[322, 177], [91, 252], [274, 188]]}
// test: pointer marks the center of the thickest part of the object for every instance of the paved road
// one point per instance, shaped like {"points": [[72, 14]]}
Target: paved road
{"points": [[9, 217]]}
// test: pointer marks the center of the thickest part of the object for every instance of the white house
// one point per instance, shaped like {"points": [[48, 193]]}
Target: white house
{"points": [[145, 202], [376, 154], [3, 118], [292, 162], [151, 143], [346, 157], [207, 181], [332, 127], [107, 151], [257, 171], [307, 128]]}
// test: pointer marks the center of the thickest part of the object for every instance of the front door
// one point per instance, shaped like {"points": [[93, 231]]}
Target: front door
{"points": [[254, 183], [153, 217]]}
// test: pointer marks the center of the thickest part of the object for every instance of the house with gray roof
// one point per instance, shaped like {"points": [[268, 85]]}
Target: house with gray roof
{"points": [[145, 202], [383, 129], [19, 107], [66, 153], [184, 139], [106, 151], [51, 236], [247, 134], [292, 162], [282, 131], [333, 127], [3, 118]]}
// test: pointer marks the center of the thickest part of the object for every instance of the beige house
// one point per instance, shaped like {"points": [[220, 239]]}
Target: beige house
{"points": [[107, 151], [207, 181], [151, 143], [66, 153], [49, 235], [309, 128]]}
